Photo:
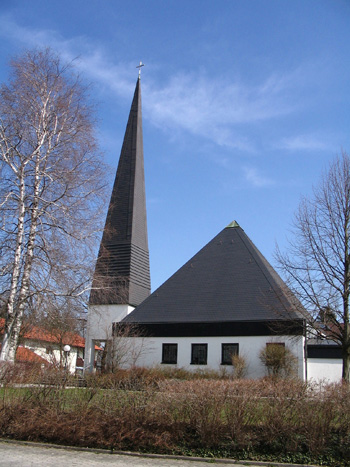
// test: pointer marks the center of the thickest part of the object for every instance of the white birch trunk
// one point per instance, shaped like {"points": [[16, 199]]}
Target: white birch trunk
{"points": [[20, 289], [28, 261], [8, 352]]}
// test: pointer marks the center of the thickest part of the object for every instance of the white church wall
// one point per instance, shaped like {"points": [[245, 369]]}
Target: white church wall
{"points": [[249, 348], [328, 370], [99, 327]]}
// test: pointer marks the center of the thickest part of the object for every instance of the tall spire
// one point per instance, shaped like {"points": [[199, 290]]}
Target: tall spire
{"points": [[122, 273]]}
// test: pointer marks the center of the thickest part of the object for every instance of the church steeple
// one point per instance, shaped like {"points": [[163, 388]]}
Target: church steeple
{"points": [[122, 273]]}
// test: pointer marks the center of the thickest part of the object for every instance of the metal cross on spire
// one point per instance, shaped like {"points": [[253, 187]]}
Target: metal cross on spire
{"points": [[139, 67]]}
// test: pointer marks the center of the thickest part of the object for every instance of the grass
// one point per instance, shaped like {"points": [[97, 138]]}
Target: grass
{"points": [[148, 411]]}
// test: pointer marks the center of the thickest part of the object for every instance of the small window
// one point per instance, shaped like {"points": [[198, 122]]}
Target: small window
{"points": [[227, 351], [169, 353], [199, 354]]}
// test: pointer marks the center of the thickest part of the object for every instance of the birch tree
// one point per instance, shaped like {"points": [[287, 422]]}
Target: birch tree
{"points": [[317, 263], [51, 188]]}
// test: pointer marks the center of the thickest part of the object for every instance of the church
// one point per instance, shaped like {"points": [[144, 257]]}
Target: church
{"points": [[226, 300]]}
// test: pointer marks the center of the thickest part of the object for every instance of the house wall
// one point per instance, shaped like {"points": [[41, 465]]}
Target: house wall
{"points": [[99, 327], [150, 353], [324, 369], [40, 348]]}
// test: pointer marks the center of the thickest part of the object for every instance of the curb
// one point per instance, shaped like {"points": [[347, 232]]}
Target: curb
{"points": [[154, 456]]}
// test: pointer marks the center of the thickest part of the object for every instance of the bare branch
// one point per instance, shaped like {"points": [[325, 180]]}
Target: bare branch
{"points": [[317, 265]]}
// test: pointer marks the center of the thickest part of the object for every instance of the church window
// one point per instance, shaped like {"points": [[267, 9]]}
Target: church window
{"points": [[227, 352], [199, 354], [169, 353]]}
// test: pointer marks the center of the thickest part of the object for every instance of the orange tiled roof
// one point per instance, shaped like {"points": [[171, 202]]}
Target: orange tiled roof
{"points": [[38, 334], [26, 355]]}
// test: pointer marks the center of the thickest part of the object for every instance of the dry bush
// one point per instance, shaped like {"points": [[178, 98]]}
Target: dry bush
{"points": [[133, 379], [278, 360], [196, 407], [138, 378], [282, 417], [20, 373], [301, 418], [273, 417], [107, 419], [168, 372], [205, 411], [239, 366], [280, 413]]}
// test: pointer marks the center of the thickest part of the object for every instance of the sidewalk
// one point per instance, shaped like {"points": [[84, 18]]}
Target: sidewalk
{"points": [[14, 453]]}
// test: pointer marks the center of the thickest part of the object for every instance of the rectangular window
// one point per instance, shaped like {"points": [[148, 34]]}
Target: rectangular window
{"points": [[199, 354], [227, 351], [169, 353]]}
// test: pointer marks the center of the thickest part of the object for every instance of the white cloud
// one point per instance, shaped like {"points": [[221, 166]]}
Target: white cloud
{"points": [[214, 109], [87, 57], [304, 142], [252, 176], [26, 36]]}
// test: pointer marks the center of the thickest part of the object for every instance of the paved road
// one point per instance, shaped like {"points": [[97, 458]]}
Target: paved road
{"points": [[21, 455]]}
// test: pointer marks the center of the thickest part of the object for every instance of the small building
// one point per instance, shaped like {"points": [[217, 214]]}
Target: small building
{"points": [[39, 346], [324, 360]]}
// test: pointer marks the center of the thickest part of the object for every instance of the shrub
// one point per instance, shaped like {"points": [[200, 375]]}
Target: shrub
{"points": [[278, 360], [239, 366], [267, 419]]}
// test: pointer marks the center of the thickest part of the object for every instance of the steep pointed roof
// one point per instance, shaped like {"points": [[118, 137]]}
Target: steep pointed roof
{"points": [[228, 280], [122, 273]]}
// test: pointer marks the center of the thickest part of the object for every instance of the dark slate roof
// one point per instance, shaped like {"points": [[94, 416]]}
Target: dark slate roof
{"points": [[122, 273], [323, 348], [228, 280]]}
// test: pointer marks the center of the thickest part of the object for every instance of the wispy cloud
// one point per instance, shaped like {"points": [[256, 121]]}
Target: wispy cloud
{"points": [[310, 142], [88, 57], [28, 36], [212, 108], [215, 109], [256, 179]]}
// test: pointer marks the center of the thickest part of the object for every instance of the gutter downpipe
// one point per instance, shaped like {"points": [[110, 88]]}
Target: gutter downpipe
{"points": [[305, 349]]}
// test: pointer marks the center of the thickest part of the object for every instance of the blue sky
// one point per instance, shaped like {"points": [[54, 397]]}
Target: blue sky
{"points": [[245, 102]]}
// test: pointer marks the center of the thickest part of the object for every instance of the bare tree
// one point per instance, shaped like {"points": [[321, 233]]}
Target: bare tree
{"points": [[317, 264], [59, 318], [52, 182], [125, 346]]}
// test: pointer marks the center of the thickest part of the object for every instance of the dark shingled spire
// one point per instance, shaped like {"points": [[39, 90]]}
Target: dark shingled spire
{"points": [[122, 273]]}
